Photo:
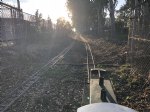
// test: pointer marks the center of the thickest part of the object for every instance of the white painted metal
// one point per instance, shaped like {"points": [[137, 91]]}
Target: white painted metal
{"points": [[104, 107]]}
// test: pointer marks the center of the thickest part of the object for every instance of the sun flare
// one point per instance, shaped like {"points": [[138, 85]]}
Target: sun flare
{"points": [[56, 9]]}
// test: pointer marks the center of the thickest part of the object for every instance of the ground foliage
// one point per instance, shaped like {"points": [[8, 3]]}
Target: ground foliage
{"points": [[132, 88]]}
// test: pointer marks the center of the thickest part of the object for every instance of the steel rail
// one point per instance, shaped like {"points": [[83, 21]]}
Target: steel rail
{"points": [[88, 64]]}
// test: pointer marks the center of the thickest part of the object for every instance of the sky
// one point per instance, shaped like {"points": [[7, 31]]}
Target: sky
{"points": [[52, 8], [120, 3]]}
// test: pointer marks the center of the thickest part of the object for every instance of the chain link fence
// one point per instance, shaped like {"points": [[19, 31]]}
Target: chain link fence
{"points": [[139, 39], [15, 25]]}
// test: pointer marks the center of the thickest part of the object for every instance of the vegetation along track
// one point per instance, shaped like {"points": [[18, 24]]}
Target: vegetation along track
{"points": [[7, 101]]}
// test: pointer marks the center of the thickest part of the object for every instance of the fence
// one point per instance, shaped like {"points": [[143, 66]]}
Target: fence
{"points": [[139, 38], [15, 24]]}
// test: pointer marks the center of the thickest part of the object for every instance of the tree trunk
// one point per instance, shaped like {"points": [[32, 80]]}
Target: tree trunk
{"points": [[146, 23], [100, 20], [112, 17]]}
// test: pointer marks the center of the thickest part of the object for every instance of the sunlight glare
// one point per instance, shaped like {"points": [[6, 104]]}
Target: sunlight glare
{"points": [[57, 9], [52, 8], [74, 29]]}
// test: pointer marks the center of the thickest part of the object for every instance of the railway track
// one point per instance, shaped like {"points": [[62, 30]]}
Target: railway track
{"points": [[88, 52], [10, 99], [90, 63]]}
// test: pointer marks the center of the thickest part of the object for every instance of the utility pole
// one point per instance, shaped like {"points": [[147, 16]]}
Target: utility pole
{"points": [[19, 9], [18, 4]]}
